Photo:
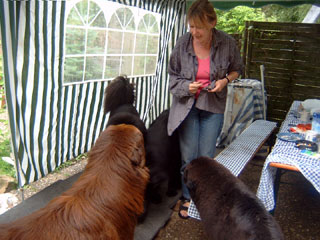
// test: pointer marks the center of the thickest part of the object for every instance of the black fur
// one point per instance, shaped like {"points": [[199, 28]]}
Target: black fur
{"points": [[228, 209], [119, 92], [163, 158], [162, 152], [119, 97]]}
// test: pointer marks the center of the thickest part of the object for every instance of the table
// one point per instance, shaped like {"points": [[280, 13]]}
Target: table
{"points": [[285, 155]]}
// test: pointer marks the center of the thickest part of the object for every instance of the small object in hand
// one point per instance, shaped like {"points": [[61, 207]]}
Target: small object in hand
{"points": [[306, 145], [207, 88]]}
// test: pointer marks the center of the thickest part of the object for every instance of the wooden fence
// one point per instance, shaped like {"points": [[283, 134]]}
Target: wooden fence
{"points": [[290, 53], [238, 38]]}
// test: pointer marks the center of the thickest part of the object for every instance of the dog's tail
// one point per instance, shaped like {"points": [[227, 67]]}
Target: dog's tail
{"points": [[120, 91]]}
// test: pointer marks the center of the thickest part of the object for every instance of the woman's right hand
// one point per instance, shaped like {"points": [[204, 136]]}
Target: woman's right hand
{"points": [[194, 86]]}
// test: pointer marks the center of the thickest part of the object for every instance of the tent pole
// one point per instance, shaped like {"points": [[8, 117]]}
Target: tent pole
{"points": [[263, 91], [22, 194]]}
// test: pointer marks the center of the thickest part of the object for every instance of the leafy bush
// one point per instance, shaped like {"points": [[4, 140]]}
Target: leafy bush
{"points": [[1, 74], [233, 21], [1, 62], [285, 14]]}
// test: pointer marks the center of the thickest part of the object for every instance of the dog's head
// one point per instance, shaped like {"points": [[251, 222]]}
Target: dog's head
{"points": [[119, 155], [119, 92], [121, 144], [198, 172]]}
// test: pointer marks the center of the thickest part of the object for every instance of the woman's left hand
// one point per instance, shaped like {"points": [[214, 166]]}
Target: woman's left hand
{"points": [[219, 85]]}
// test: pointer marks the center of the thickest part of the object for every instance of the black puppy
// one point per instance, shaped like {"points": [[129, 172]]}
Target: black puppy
{"points": [[119, 98], [163, 159], [228, 209]]}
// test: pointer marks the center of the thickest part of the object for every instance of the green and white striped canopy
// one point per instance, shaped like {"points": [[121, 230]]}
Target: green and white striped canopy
{"points": [[50, 122]]}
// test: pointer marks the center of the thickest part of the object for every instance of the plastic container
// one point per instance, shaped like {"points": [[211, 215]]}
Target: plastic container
{"points": [[316, 122], [305, 116], [312, 136]]}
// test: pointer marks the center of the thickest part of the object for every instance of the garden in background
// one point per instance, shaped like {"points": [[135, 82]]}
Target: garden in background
{"points": [[5, 138]]}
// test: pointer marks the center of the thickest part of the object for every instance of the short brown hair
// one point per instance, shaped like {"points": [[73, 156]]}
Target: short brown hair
{"points": [[202, 12]]}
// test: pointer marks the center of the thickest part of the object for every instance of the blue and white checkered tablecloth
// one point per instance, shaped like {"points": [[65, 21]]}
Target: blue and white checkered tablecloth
{"points": [[287, 153], [239, 152]]}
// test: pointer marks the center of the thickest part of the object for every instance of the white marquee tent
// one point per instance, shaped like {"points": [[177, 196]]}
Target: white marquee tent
{"points": [[51, 122]]}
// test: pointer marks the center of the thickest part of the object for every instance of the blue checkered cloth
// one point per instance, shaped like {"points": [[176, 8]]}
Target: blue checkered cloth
{"points": [[244, 105], [241, 151], [287, 153]]}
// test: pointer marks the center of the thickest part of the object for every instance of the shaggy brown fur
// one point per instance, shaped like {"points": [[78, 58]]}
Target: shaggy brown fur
{"points": [[103, 203], [228, 209]]}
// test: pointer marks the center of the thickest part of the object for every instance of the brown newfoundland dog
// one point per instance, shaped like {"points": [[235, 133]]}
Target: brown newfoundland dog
{"points": [[228, 209], [103, 203]]}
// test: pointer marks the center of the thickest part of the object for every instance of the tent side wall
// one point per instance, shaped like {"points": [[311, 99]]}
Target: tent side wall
{"points": [[52, 123]]}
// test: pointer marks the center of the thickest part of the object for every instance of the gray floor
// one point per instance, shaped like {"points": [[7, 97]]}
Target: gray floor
{"points": [[38, 200], [158, 214]]}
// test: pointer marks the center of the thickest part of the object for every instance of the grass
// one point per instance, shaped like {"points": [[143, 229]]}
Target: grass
{"points": [[70, 162], [5, 148]]}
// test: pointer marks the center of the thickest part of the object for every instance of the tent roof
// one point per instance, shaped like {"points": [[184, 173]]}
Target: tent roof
{"points": [[228, 4]]}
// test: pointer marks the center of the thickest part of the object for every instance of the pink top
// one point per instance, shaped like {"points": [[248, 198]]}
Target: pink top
{"points": [[203, 75]]}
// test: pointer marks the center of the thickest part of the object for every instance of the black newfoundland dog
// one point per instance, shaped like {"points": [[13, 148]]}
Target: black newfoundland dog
{"points": [[119, 98], [162, 151], [163, 159], [228, 209]]}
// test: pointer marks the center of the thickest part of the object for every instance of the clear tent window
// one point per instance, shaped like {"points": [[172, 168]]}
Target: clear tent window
{"points": [[105, 39]]}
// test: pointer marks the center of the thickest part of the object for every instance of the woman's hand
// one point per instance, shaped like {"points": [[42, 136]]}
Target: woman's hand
{"points": [[194, 86], [219, 85]]}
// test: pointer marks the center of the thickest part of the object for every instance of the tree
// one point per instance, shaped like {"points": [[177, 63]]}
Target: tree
{"points": [[1, 62], [285, 14], [233, 21]]}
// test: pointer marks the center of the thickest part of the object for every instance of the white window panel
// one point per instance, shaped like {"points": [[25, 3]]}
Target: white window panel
{"points": [[104, 39]]}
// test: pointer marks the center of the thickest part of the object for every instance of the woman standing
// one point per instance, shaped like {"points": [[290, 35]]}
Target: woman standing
{"points": [[202, 64]]}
